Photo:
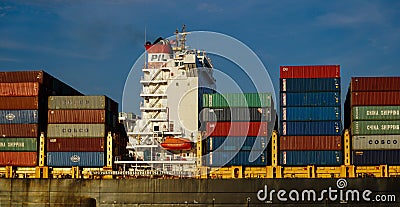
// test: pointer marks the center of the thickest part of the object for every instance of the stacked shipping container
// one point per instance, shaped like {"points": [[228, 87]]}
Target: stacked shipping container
{"points": [[78, 128], [23, 107], [310, 115], [372, 111], [237, 128]]}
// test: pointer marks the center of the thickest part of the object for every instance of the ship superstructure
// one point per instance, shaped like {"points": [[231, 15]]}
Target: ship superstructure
{"points": [[173, 82]]}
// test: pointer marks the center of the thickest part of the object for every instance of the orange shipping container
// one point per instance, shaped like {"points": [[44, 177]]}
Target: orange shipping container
{"points": [[19, 103], [75, 144], [81, 116], [23, 159], [19, 89], [310, 143], [19, 130]]}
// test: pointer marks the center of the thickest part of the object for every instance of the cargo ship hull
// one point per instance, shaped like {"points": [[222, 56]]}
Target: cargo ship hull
{"points": [[200, 192]]}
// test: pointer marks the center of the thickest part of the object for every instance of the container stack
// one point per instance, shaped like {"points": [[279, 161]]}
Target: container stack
{"points": [[77, 130], [23, 107], [310, 115], [372, 111], [237, 127]]}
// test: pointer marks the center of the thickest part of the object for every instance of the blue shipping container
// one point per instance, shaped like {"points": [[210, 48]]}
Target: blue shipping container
{"points": [[298, 128], [236, 143], [221, 158], [310, 84], [311, 157], [376, 157], [18, 116], [81, 159], [310, 99], [310, 113]]}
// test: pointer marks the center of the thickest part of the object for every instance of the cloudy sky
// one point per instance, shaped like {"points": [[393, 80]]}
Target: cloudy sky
{"points": [[92, 45]]}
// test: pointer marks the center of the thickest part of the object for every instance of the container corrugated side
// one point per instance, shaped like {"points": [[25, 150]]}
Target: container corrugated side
{"points": [[221, 129], [375, 98], [84, 116], [375, 127], [376, 157], [310, 113], [18, 116], [326, 128], [81, 159], [18, 144], [82, 102], [19, 89], [310, 143], [236, 114], [310, 71], [311, 157], [76, 130], [310, 84], [217, 100], [19, 103], [75, 144], [19, 159], [375, 142], [311, 99], [236, 143], [375, 84], [242, 158], [19, 130], [376, 113]]}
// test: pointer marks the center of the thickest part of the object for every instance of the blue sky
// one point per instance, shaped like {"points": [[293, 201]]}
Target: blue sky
{"points": [[92, 45]]}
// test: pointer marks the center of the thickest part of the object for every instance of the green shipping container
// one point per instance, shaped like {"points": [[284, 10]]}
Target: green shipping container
{"points": [[375, 127], [376, 113], [76, 130], [18, 144], [82, 102], [217, 100]]}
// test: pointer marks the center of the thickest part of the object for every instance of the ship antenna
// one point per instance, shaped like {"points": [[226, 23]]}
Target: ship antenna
{"points": [[183, 37], [145, 50], [177, 37]]}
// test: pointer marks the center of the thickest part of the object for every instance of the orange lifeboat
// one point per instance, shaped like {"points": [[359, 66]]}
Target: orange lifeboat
{"points": [[172, 143]]}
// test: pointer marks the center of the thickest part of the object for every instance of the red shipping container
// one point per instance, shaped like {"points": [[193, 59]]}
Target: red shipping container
{"points": [[19, 103], [312, 71], [22, 159], [19, 89], [222, 129], [19, 130], [77, 116], [375, 98], [75, 144], [375, 84], [310, 143]]}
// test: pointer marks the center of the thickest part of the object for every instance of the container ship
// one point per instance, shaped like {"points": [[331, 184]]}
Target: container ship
{"points": [[193, 146]]}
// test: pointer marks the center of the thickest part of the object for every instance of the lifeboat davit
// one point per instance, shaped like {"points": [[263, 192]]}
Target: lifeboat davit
{"points": [[173, 143]]}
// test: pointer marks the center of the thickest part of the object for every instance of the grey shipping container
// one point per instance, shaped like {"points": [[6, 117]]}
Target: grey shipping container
{"points": [[81, 159], [76, 130], [376, 142], [18, 116], [236, 114], [82, 102]]}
